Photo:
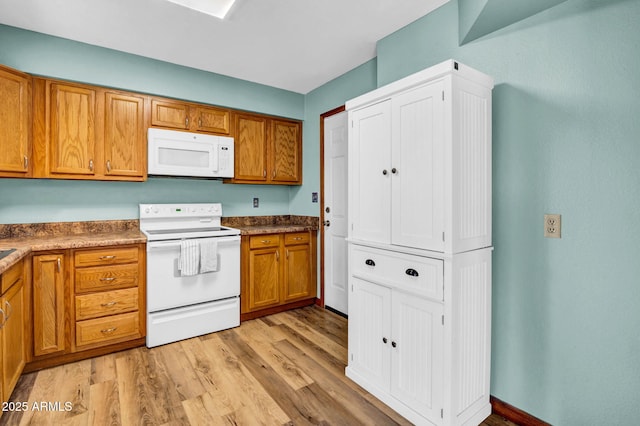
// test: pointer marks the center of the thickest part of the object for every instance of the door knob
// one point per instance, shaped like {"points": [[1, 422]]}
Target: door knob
{"points": [[327, 209], [326, 223]]}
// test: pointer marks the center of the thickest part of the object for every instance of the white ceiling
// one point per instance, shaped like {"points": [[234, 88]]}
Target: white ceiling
{"points": [[296, 45]]}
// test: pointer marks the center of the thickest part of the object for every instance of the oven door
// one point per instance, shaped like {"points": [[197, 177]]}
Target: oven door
{"points": [[167, 288]]}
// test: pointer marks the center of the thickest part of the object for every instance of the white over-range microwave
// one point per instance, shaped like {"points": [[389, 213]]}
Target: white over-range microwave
{"points": [[175, 153]]}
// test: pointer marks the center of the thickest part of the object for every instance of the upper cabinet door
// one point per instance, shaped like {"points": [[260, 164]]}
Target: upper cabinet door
{"points": [[72, 138], [286, 151], [15, 122], [125, 151], [166, 113], [370, 173], [251, 147], [417, 172], [211, 120]]}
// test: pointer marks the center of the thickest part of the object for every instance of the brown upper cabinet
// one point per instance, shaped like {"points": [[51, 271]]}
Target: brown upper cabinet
{"points": [[188, 116], [15, 123], [268, 150], [88, 132]]}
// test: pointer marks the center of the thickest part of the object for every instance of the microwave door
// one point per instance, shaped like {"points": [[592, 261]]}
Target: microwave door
{"points": [[185, 159]]}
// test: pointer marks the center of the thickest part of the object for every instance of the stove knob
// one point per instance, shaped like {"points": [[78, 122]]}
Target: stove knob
{"points": [[156, 210], [147, 210]]}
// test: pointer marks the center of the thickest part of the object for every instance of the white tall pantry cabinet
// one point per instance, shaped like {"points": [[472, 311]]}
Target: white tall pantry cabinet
{"points": [[420, 244]]}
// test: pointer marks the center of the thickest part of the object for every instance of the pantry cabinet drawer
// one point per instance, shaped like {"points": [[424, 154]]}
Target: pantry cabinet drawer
{"points": [[423, 276], [107, 256], [106, 278], [108, 329], [12, 275], [106, 303], [259, 241], [296, 238]]}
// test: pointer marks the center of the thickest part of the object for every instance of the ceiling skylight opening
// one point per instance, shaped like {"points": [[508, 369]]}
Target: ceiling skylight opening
{"points": [[217, 8]]}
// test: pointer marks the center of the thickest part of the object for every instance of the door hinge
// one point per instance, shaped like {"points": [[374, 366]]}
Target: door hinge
{"points": [[443, 95], [351, 356], [351, 123], [443, 320], [443, 236], [442, 413]]}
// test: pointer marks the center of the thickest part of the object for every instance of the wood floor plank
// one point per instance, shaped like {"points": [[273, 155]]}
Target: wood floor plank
{"points": [[254, 334], [242, 390], [181, 371], [332, 326], [339, 351], [104, 403], [103, 369]]}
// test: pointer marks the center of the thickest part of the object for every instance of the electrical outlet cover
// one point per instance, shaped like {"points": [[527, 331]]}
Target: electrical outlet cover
{"points": [[552, 225]]}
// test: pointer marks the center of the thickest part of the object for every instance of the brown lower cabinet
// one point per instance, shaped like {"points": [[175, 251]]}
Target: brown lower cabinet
{"points": [[278, 272], [12, 331], [86, 302]]}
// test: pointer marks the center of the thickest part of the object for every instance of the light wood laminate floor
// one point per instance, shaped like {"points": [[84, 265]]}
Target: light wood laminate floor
{"points": [[286, 368]]}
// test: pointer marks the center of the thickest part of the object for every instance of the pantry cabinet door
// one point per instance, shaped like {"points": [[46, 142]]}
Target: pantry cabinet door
{"points": [[370, 331], [417, 354], [418, 168], [72, 139], [370, 173], [125, 151]]}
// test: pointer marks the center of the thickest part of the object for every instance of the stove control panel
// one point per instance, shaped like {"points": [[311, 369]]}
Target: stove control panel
{"points": [[180, 210]]}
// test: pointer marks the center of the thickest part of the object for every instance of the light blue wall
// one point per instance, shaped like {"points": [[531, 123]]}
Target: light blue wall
{"points": [[40, 200], [566, 134], [331, 95]]}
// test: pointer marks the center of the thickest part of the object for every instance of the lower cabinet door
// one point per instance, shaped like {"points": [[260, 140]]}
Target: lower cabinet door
{"points": [[48, 304], [417, 353], [13, 346], [370, 332], [298, 273], [264, 278]]}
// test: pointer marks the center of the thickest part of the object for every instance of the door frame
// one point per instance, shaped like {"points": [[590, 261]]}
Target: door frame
{"points": [[337, 110]]}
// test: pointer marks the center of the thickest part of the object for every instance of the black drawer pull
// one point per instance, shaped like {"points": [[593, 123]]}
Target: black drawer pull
{"points": [[370, 262], [412, 272]]}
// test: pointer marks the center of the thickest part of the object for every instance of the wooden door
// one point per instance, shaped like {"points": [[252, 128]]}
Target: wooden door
{"points": [[48, 304], [211, 120], [165, 113], [125, 141], [418, 168], [297, 279], [264, 278], [72, 132], [250, 148], [370, 331], [15, 113], [370, 173], [286, 151], [417, 353], [13, 339], [334, 197]]}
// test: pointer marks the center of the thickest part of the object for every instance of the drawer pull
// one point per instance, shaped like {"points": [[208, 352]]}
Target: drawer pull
{"points": [[370, 262], [297, 238], [384, 340], [108, 279], [412, 272], [394, 344], [9, 309], [109, 304], [265, 241], [108, 330], [107, 257]]}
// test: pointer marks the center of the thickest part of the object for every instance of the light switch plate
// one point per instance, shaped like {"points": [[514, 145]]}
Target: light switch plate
{"points": [[256, 202], [552, 225]]}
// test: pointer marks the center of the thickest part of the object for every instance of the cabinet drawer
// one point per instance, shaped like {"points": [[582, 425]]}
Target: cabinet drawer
{"points": [[107, 329], [12, 275], [423, 276], [106, 303], [106, 256], [296, 238], [106, 278], [260, 241]]}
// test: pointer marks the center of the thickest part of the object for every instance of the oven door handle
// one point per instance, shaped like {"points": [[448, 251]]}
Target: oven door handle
{"points": [[176, 243]]}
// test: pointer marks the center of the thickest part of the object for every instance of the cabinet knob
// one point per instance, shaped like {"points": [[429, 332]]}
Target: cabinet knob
{"points": [[385, 172], [370, 262], [26, 162], [91, 165], [411, 272], [326, 223], [108, 166], [186, 122], [384, 340], [394, 170]]}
